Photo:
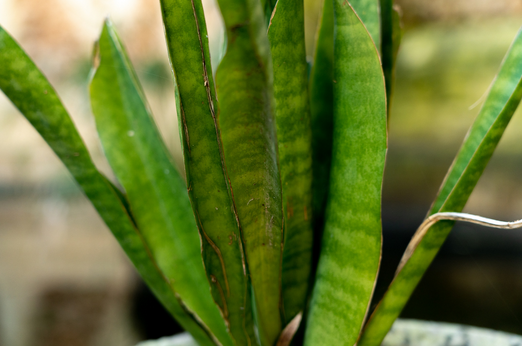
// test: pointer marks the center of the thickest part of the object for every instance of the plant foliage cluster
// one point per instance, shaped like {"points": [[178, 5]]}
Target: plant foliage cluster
{"points": [[279, 219]]}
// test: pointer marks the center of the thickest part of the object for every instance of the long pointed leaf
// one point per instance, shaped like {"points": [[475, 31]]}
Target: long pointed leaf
{"points": [[478, 147], [155, 190], [391, 35], [248, 131], [287, 43], [37, 100], [351, 246], [208, 190], [321, 114]]}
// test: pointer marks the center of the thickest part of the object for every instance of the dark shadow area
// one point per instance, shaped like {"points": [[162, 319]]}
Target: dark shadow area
{"points": [[150, 317]]}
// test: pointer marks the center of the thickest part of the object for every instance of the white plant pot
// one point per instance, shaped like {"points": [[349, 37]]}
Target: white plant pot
{"points": [[423, 333], [405, 333], [183, 339]]}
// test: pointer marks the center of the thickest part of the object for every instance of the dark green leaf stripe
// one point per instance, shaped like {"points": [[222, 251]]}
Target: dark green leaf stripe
{"points": [[32, 94], [368, 12], [391, 35], [321, 113], [287, 43], [209, 193], [248, 131], [156, 192], [351, 246], [502, 101]]}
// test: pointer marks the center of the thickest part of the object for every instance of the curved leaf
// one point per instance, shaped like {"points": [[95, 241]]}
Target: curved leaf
{"points": [[208, 190], [478, 147], [287, 43], [248, 133], [37, 100], [155, 190], [351, 246]]}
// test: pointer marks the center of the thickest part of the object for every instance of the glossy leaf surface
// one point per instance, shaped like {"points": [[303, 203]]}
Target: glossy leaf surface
{"points": [[287, 43], [156, 192], [351, 246], [248, 132], [321, 113], [37, 100], [478, 147], [205, 171]]}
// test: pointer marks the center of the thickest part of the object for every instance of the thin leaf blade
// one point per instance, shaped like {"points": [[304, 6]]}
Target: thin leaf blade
{"points": [[391, 36], [208, 190], [351, 246], [37, 100], [321, 114], [248, 131], [155, 190], [478, 147], [268, 7], [287, 44]]}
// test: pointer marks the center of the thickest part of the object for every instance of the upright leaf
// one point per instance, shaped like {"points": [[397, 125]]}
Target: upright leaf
{"points": [[37, 100], [321, 114], [208, 188], [248, 132], [391, 35], [268, 7], [368, 12], [287, 43], [351, 246], [478, 147], [155, 190]]}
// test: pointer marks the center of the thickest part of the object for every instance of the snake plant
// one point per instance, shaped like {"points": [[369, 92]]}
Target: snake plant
{"points": [[277, 226]]}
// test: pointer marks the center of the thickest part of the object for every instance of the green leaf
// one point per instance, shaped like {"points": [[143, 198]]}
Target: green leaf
{"points": [[368, 12], [248, 132], [351, 245], [391, 36], [268, 7], [478, 147], [287, 43], [156, 192], [37, 100], [209, 192], [321, 114]]}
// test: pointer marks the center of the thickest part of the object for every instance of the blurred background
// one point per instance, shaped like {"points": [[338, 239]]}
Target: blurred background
{"points": [[63, 278]]}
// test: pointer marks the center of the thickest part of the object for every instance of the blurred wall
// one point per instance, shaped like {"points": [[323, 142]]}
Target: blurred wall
{"points": [[63, 278]]}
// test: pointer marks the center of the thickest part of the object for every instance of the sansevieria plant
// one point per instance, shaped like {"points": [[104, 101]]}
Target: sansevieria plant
{"points": [[278, 224]]}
